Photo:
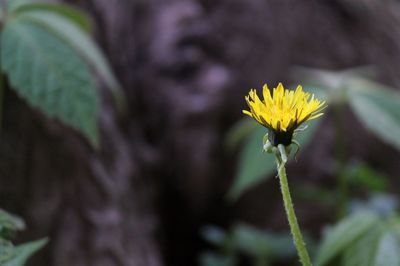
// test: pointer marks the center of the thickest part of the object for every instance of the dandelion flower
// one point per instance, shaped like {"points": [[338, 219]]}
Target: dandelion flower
{"points": [[283, 111]]}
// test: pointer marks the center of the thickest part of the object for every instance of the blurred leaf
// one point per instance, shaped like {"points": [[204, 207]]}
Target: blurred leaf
{"points": [[388, 251], [213, 259], [395, 224], [9, 224], [239, 132], [214, 235], [263, 247], [316, 77], [314, 193], [50, 76], [24, 251], [365, 71], [383, 204], [255, 166], [81, 42], [254, 242], [6, 250], [334, 84], [320, 93], [361, 174], [378, 108], [13, 5], [333, 80], [70, 13], [362, 251], [344, 234], [305, 137]]}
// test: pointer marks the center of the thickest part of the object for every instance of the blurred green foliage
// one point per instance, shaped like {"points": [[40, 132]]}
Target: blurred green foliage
{"points": [[369, 233], [362, 176], [261, 247], [368, 236], [340, 237], [11, 255], [377, 107], [48, 57]]}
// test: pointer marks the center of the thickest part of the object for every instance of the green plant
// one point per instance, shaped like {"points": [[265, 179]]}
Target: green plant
{"points": [[261, 247], [11, 255], [376, 106], [369, 236], [282, 113], [48, 59]]}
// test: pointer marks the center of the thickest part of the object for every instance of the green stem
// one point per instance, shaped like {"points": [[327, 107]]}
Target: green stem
{"points": [[294, 226]]}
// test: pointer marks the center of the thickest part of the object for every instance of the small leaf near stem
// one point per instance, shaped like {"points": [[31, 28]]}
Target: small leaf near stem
{"points": [[291, 215]]}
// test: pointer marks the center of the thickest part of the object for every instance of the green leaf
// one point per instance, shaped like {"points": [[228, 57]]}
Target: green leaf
{"points": [[314, 193], [256, 243], [255, 166], [13, 5], [74, 15], [50, 76], [319, 92], [378, 108], [362, 252], [24, 251], [82, 43], [361, 174], [388, 251], [9, 224], [344, 234], [214, 235], [383, 204], [239, 132], [6, 250], [332, 81], [214, 259]]}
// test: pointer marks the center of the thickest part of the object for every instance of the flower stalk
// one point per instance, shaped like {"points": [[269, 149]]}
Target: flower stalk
{"points": [[291, 215], [282, 113]]}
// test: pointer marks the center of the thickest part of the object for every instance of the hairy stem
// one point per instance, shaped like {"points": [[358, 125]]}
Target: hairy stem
{"points": [[294, 226]]}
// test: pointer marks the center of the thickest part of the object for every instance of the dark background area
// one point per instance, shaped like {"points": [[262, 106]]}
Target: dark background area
{"points": [[163, 171]]}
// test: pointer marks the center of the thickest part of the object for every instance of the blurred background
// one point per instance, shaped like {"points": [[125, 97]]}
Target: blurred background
{"points": [[179, 178]]}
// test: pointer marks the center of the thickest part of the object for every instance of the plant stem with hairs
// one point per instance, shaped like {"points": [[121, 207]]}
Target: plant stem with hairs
{"points": [[291, 215]]}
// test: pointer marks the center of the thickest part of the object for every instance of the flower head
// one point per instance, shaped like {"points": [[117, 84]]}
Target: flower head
{"points": [[283, 112]]}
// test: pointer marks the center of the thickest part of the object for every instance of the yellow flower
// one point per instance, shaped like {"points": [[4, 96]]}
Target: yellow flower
{"points": [[283, 112]]}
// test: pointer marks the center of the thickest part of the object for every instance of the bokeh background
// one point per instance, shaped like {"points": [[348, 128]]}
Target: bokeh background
{"points": [[157, 190]]}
